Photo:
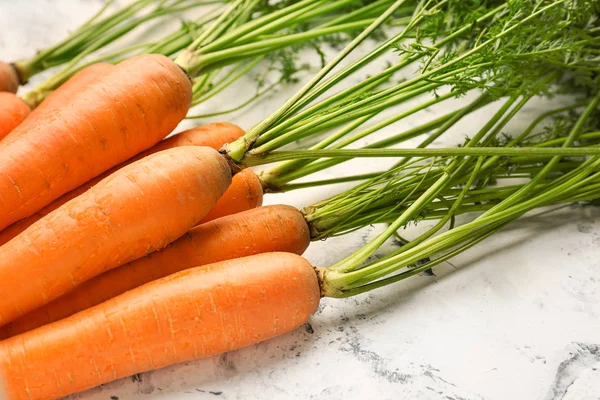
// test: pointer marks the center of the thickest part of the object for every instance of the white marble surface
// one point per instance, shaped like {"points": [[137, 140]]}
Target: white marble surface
{"points": [[517, 317]]}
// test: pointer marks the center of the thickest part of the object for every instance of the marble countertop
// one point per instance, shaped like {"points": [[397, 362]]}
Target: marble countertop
{"points": [[517, 317]]}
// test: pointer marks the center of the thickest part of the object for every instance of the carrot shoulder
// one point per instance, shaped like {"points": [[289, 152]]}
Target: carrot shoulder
{"points": [[211, 135], [192, 314], [78, 82], [136, 211], [9, 79], [261, 230], [245, 193], [55, 99], [127, 111], [13, 111]]}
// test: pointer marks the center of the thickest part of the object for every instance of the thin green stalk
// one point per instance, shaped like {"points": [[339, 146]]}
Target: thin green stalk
{"points": [[448, 239], [416, 270], [448, 173], [361, 105], [319, 89], [575, 132], [78, 41], [237, 149], [227, 80], [233, 54], [251, 100]]}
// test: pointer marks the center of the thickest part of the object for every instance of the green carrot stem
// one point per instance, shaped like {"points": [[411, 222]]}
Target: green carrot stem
{"points": [[331, 291], [575, 132], [237, 149], [232, 76], [80, 39], [278, 156], [448, 239], [251, 100], [450, 172]]}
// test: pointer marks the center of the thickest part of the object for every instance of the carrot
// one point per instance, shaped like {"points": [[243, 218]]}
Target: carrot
{"points": [[211, 135], [127, 111], [137, 210], [80, 81], [13, 111], [260, 230], [194, 313], [9, 79], [245, 193]]}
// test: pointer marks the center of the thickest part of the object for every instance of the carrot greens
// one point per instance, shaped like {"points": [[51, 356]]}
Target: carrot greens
{"points": [[439, 192], [457, 48], [229, 41], [509, 53], [103, 28]]}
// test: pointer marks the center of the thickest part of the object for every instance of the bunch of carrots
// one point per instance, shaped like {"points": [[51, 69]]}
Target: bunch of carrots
{"points": [[156, 250]]}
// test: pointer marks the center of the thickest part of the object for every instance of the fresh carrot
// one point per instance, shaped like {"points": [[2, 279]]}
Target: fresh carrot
{"points": [[194, 313], [261, 230], [136, 211], [9, 79], [244, 193], [211, 135], [125, 112], [86, 77], [13, 111]]}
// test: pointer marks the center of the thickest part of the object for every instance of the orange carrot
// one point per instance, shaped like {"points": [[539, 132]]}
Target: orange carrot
{"points": [[9, 79], [261, 230], [86, 77], [13, 111], [245, 193], [127, 111], [211, 135], [136, 211], [192, 314]]}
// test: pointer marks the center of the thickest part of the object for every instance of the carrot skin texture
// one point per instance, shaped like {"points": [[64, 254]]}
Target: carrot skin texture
{"points": [[78, 82], [13, 111], [260, 230], [245, 193], [211, 135], [9, 79], [192, 314], [129, 110], [134, 212], [63, 94]]}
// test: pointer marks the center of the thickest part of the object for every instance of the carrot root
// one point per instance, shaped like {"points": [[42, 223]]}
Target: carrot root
{"points": [[212, 135], [261, 230], [245, 193], [136, 211], [129, 110], [188, 315], [13, 111], [71, 87]]}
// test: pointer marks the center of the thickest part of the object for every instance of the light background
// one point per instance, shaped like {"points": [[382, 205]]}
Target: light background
{"points": [[517, 317]]}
